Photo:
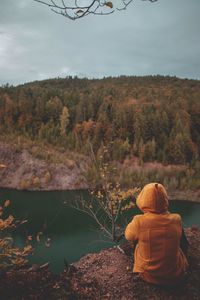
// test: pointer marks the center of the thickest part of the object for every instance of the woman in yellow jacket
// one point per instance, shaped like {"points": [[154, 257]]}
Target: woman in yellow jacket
{"points": [[158, 256]]}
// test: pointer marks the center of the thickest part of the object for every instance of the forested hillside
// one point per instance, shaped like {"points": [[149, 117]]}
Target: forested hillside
{"points": [[154, 117]]}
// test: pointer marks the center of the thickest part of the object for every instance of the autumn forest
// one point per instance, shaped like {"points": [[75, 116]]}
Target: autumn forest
{"points": [[152, 118]]}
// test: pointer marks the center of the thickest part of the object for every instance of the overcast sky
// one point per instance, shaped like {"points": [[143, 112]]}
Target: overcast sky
{"points": [[148, 38]]}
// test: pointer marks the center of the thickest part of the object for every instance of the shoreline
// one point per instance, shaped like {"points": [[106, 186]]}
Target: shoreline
{"points": [[23, 170], [176, 195]]}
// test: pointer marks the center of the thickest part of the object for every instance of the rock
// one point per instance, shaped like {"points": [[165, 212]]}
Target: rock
{"points": [[23, 171]]}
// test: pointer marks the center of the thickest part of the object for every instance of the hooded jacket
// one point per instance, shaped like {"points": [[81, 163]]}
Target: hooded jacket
{"points": [[158, 255]]}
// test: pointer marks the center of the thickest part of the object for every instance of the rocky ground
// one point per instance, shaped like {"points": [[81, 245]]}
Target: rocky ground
{"points": [[101, 276], [22, 170]]}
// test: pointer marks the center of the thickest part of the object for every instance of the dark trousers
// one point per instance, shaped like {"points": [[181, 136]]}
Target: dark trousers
{"points": [[184, 244]]}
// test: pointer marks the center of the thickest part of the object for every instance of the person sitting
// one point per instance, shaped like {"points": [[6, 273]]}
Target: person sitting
{"points": [[158, 256]]}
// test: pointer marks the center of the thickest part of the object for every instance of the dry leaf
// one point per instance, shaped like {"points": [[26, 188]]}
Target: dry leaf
{"points": [[2, 166], [7, 203], [38, 236], [29, 237], [80, 11], [109, 4]]}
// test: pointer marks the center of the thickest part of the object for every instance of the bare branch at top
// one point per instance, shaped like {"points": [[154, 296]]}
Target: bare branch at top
{"points": [[76, 9]]}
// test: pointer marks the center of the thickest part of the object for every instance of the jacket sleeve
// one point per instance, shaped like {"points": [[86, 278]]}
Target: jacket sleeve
{"points": [[131, 232]]}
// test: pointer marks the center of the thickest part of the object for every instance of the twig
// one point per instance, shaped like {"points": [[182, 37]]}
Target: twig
{"points": [[76, 11], [120, 249]]}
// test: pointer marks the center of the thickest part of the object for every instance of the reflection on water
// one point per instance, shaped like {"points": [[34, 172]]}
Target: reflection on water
{"points": [[73, 234]]}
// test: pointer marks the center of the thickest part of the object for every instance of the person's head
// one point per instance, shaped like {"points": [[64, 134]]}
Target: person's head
{"points": [[153, 198]]}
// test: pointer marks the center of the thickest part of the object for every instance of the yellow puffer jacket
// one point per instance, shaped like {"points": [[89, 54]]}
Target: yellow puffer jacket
{"points": [[157, 256]]}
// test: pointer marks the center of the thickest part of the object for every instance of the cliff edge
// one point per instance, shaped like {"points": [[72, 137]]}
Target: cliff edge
{"points": [[109, 276]]}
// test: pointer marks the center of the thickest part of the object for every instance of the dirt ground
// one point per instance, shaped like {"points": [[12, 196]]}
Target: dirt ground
{"points": [[109, 276]]}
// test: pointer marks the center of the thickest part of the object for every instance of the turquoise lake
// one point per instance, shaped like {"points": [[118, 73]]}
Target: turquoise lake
{"points": [[72, 234]]}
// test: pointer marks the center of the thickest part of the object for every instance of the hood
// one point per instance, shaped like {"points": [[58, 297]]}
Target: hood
{"points": [[153, 198]]}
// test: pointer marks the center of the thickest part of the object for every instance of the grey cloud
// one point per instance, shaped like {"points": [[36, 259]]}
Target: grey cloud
{"points": [[160, 38]]}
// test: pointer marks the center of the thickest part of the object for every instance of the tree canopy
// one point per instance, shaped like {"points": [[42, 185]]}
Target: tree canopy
{"points": [[151, 117], [75, 9]]}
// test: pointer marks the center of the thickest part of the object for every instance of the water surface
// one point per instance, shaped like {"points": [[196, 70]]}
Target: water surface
{"points": [[72, 233]]}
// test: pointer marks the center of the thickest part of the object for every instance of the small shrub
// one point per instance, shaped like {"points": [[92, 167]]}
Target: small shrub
{"points": [[25, 184], [47, 177], [70, 164], [109, 201], [35, 181]]}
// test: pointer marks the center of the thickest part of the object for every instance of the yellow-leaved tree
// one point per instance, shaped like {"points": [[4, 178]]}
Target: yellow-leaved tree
{"points": [[108, 201], [11, 255], [64, 121]]}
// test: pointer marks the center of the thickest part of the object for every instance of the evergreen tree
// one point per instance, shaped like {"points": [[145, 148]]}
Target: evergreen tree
{"points": [[150, 150]]}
